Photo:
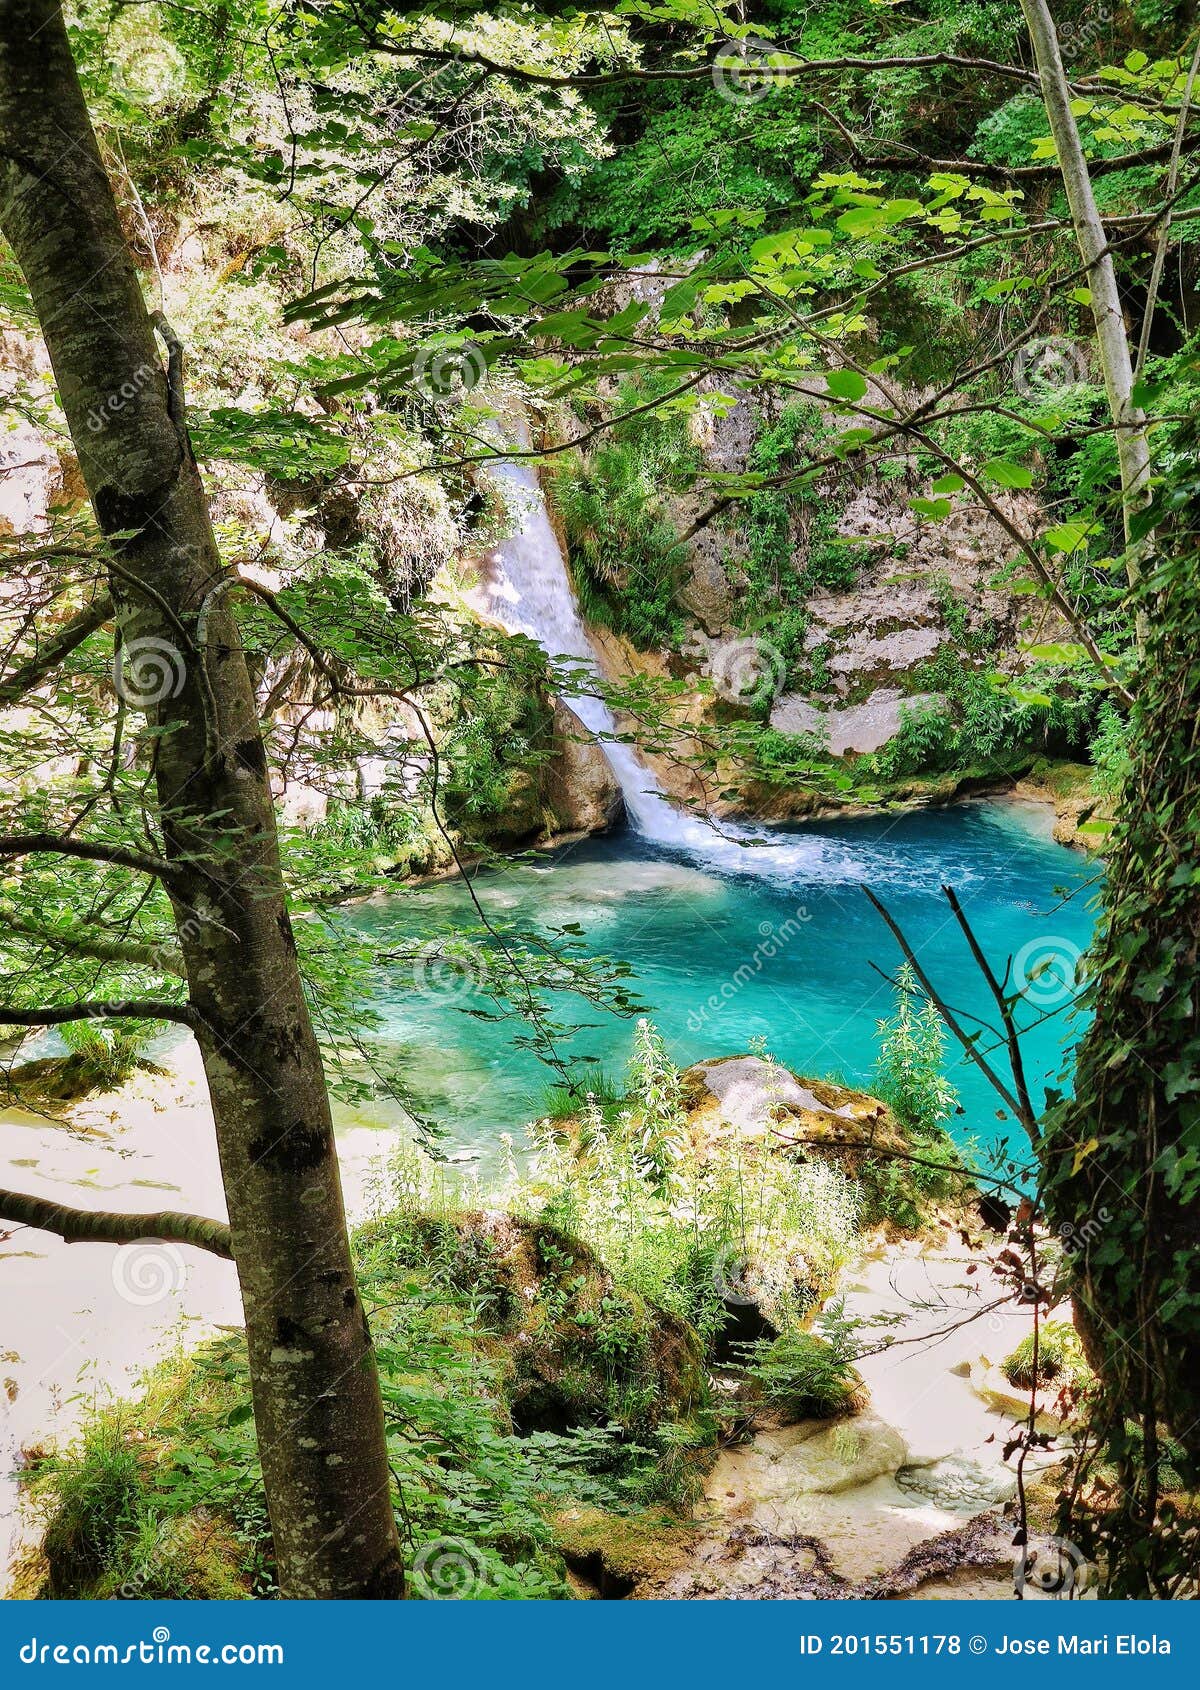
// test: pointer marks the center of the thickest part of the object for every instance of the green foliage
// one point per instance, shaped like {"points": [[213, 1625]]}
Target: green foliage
{"points": [[909, 1068], [1060, 1359], [623, 544], [926, 740], [1132, 1125], [1110, 751], [793, 549], [498, 742], [679, 1227], [103, 1058], [803, 1376]]}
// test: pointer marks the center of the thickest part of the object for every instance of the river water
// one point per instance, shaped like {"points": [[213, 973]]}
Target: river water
{"points": [[721, 958]]}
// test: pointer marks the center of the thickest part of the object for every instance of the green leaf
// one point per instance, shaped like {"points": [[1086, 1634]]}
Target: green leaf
{"points": [[935, 510], [1069, 536], [1007, 474], [949, 484], [846, 384], [1059, 652]]}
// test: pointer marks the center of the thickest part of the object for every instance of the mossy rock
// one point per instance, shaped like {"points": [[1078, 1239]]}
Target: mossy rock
{"points": [[611, 1554], [575, 1349], [763, 1103]]}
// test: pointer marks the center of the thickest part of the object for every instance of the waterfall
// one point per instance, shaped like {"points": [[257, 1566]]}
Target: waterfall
{"points": [[529, 592]]}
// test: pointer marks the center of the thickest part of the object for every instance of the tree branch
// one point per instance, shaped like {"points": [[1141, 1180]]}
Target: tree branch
{"points": [[89, 850], [164, 957], [73, 633], [948, 1016], [102, 1226], [129, 1009]]}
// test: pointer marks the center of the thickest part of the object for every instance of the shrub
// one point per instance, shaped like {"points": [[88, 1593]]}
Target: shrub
{"points": [[909, 1068], [805, 1377], [102, 1058], [1060, 1358]]}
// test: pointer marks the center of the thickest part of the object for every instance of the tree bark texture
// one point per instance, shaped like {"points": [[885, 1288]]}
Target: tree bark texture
{"points": [[315, 1384]]}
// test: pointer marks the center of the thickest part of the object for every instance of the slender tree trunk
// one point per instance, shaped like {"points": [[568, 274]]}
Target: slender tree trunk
{"points": [[315, 1385], [1116, 361]]}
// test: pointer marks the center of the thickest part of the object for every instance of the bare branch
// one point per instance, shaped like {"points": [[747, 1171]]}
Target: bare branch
{"points": [[968, 1043], [102, 1226]]}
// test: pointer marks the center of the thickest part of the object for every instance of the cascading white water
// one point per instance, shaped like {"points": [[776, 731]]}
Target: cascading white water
{"points": [[529, 592]]}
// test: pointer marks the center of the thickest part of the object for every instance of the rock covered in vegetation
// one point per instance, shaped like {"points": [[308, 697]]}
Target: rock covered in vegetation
{"points": [[576, 1349]]}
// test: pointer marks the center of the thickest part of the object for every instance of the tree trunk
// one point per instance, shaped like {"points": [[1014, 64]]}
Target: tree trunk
{"points": [[315, 1386], [1116, 362]]}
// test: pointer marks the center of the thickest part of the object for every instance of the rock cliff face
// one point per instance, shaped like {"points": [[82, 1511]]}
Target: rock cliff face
{"points": [[579, 785]]}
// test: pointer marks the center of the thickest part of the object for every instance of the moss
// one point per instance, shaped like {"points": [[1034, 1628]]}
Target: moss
{"points": [[1060, 1359], [613, 1553]]}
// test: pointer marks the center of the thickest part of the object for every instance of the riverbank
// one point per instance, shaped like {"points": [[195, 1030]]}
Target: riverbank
{"points": [[906, 1489], [83, 1322]]}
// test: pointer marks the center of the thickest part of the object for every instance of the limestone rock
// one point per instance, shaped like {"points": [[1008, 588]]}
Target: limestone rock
{"points": [[857, 727], [579, 783]]}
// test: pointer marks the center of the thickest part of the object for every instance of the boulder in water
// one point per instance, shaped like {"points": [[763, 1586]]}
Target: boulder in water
{"points": [[579, 783]]}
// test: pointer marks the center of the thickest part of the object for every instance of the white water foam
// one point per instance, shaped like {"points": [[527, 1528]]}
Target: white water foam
{"points": [[529, 592]]}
